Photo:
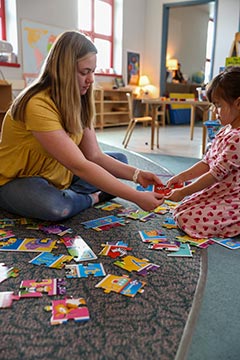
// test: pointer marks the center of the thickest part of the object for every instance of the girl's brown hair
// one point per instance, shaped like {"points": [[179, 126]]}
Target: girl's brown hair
{"points": [[225, 85], [59, 74]]}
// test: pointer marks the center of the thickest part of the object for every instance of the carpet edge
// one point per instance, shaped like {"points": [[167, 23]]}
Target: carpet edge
{"points": [[195, 310]]}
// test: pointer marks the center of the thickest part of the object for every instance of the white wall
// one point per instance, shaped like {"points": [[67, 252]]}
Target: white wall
{"points": [[142, 29]]}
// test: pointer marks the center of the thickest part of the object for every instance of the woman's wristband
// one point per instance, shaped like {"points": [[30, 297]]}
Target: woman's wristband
{"points": [[135, 175]]}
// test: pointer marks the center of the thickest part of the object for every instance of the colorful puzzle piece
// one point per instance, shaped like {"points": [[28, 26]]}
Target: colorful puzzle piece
{"points": [[169, 245], [6, 272], [104, 223], [79, 270], [51, 260], [108, 206], [6, 299], [68, 309], [33, 288], [202, 243], [151, 235], [29, 244], [115, 250], [132, 263], [79, 249], [122, 285]]}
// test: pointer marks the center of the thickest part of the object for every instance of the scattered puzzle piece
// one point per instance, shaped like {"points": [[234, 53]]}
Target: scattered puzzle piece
{"points": [[68, 309], [33, 288], [6, 299], [29, 244], [132, 263], [104, 223], [79, 249], [79, 270], [122, 285], [6, 272], [115, 250], [51, 260]]}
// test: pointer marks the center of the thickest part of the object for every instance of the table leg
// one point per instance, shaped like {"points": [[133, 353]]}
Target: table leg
{"points": [[154, 114], [204, 130], [192, 121]]}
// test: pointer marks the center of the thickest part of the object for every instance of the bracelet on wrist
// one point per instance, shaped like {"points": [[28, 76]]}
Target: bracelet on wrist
{"points": [[135, 175]]}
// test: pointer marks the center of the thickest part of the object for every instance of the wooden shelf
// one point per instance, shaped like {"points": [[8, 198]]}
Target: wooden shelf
{"points": [[111, 107]]}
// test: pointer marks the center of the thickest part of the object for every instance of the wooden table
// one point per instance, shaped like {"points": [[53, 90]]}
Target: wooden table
{"points": [[156, 103]]}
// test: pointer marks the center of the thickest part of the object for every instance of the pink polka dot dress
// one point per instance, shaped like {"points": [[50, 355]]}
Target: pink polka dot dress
{"points": [[215, 210]]}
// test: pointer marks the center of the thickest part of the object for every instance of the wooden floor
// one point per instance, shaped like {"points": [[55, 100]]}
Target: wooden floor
{"points": [[173, 139]]}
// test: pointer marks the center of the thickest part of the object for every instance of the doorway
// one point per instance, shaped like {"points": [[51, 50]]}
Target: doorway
{"points": [[188, 6]]}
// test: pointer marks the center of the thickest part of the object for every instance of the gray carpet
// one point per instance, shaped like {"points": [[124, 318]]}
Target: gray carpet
{"points": [[153, 325]]}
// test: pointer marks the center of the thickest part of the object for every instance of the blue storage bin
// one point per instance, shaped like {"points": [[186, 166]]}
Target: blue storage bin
{"points": [[213, 127], [179, 116]]}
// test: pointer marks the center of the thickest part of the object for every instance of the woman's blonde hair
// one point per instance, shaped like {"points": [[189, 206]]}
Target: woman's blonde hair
{"points": [[59, 74]]}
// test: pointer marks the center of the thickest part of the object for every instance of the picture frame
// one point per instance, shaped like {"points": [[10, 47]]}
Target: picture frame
{"points": [[133, 68]]}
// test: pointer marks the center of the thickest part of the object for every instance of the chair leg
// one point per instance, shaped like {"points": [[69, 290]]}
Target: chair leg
{"points": [[130, 133], [127, 132]]}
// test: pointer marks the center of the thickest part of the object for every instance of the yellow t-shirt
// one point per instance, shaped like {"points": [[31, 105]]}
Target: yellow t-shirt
{"points": [[21, 155]]}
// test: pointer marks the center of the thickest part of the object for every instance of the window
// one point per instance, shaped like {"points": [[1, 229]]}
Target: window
{"points": [[2, 21], [95, 19], [209, 47]]}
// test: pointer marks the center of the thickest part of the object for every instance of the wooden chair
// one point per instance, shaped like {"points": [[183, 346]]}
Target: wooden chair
{"points": [[134, 120]]}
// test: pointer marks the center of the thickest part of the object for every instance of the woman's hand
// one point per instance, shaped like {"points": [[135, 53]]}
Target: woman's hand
{"points": [[146, 178], [148, 200]]}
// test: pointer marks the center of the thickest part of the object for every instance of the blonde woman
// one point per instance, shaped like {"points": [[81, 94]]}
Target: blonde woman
{"points": [[52, 167]]}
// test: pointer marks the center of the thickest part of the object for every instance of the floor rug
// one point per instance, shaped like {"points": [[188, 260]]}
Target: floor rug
{"points": [[155, 324]]}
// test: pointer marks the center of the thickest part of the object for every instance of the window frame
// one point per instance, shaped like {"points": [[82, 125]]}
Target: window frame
{"points": [[94, 35], [3, 19]]}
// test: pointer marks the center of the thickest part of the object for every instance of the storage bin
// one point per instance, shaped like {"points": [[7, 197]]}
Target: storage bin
{"points": [[179, 116]]}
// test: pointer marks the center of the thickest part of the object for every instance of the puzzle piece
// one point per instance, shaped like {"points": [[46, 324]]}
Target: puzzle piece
{"points": [[151, 235], [169, 245], [59, 230], [51, 260], [202, 243], [108, 206], [6, 272], [29, 244], [79, 249], [121, 284], [68, 309], [170, 223], [132, 263], [163, 189], [6, 299], [104, 223], [141, 215], [79, 270], [115, 250], [33, 288]]}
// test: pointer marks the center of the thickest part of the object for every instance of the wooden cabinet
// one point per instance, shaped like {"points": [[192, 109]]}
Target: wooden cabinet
{"points": [[5, 99], [111, 107]]}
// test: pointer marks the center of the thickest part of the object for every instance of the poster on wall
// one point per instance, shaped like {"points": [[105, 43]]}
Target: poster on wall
{"points": [[133, 68], [37, 40]]}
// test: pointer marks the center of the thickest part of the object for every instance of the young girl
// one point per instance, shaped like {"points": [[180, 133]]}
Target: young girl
{"points": [[51, 165], [211, 205]]}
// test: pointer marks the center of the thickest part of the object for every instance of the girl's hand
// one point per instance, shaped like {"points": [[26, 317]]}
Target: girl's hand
{"points": [[176, 195], [177, 179], [148, 200], [146, 178]]}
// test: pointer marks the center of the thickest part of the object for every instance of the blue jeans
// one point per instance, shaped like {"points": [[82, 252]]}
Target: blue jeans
{"points": [[35, 197]]}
